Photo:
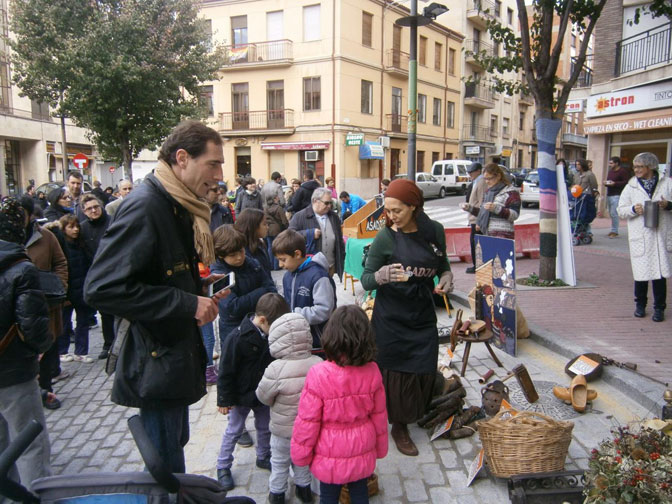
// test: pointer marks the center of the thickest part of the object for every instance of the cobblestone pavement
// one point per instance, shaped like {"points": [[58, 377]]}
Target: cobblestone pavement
{"points": [[89, 433]]}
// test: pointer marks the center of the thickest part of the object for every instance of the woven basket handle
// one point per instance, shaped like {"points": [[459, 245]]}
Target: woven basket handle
{"points": [[528, 414]]}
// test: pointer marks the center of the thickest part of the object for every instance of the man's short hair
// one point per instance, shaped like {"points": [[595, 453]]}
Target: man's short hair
{"points": [[272, 306], [288, 242], [74, 173], [85, 198], [249, 180], [319, 192], [615, 159], [275, 175], [228, 240], [192, 136], [309, 174], [344, 194], [30, 188]]}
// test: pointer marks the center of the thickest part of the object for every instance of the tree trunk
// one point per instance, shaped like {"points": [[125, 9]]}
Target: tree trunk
{"points": [[127, 161], [64, 149], [547, 133]]}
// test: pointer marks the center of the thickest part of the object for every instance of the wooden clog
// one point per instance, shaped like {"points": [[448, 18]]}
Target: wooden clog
{"points": [[562, 393], [578, 393]]}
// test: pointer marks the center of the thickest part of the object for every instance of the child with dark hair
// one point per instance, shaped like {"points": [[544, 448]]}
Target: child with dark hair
{"points": [[341, 426], [307, 286], [253, 224], [277, 223], [245, 356]]}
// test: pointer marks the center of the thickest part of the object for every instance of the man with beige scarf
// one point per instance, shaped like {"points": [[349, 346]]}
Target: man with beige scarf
{"points": [[146, 274]]}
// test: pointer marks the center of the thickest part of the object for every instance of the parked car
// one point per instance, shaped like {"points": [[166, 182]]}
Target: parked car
{"points": [[452, 173], [50, 186], [529, 191], [430, 186], [519, 176]]}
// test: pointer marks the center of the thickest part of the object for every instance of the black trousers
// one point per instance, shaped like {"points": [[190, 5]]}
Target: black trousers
{"points": [[50, 366], [472, 242], [108, 330], [659, 293]]}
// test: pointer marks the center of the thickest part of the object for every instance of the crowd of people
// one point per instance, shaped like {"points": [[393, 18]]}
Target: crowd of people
{"points": [[321, 381]]}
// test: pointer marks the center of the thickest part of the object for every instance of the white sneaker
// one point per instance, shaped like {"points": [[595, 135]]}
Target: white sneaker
{"points": [[82, 358], [67, 357]]}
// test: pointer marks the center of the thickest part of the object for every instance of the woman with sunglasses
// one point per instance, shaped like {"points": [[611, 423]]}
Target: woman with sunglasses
{"points": [[60, 204]]}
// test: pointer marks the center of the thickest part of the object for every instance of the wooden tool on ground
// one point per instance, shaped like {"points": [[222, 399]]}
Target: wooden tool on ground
{"points": [[525, 381]]}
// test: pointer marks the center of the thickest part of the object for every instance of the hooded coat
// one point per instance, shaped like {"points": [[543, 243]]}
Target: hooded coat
{"points": [[290, 342]]}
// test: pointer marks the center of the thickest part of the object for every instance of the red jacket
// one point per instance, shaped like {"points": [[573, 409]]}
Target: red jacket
{"points": [[341, 427]]}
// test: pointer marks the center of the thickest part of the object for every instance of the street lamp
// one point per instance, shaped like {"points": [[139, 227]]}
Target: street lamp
{"points": [[429, 13]]}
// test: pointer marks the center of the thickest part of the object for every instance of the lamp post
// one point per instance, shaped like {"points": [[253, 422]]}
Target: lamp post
{"points": [[413, 21]]}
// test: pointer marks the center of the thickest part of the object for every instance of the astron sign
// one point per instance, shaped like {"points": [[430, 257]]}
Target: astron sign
{"points": [[653, 96], [574, 106]]}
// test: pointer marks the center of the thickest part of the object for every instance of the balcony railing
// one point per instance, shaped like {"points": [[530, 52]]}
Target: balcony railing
{"points": [[397, 123], [476, 46], [397, 60], [586, 76], [257, 120], [644, 50], [570, 138], [259, 52], [476, 133], [480, 11]]}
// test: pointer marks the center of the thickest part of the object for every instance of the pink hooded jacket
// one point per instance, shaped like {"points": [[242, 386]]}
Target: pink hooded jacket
{"points": [[341, 427]]}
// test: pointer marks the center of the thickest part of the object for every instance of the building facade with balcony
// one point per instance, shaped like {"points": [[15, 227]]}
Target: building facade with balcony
{"points": [[30, 139], [629, 109], [306, 82], [493, 124]]}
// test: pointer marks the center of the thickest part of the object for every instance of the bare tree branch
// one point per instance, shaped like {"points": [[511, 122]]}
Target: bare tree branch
{"points": [[557, 49], [547, 13], [525, 39]]}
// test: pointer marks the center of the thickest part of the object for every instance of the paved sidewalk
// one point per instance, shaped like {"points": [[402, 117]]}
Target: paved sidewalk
{"points": [[89, 433]]}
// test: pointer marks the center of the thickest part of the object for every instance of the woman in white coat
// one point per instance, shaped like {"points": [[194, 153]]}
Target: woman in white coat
{"points": [[650, 248]]}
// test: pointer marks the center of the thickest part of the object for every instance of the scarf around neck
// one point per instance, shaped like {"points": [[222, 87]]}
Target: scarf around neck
{"points": [[483, 219], [199, 210]]}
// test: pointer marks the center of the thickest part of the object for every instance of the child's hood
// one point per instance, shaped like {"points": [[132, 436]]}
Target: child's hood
{"points": [[319, 259], [290, 337]]}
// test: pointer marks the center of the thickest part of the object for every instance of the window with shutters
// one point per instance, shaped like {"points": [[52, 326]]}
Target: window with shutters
{"points": [[239, 30], [451, 61], [505, 127], [494, 127], [367, 97], [436, 113], [435, 157], [422, 51], [438, 51], [311, 23], [422, 108], [420, 162], [450, 114], [367, 29], [311, 93]]}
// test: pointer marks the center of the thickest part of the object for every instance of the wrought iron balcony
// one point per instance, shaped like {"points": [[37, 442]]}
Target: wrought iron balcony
{"points": [[586, 76], [473, 47], [480, 11], [478, 95], [257, 120], [397, 62], [397, 123], [644, 50], [271, 53], [474, 132]]}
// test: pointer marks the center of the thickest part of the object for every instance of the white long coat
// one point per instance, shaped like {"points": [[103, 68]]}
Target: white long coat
{"points": [[650, 249]]}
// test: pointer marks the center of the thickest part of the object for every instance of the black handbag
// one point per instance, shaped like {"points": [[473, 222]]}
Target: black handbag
{"points": [[52, 287]]}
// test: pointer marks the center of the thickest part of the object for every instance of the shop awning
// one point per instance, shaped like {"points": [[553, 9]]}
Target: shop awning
{"points": [[651, 119], [371, 150]]}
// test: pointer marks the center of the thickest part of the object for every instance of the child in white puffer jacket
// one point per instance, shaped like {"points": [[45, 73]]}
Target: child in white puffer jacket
{"points": [[290, 342]]}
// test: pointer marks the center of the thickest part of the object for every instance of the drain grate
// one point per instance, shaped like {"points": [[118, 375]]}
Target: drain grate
{"points": [[547, 404]]}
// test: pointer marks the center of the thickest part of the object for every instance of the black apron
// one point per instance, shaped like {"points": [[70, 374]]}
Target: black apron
{"points": [[404, 317]]}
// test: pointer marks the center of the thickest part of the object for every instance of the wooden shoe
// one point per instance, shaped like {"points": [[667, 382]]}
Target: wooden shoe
{"points": [[562, 393], [578, 393]]}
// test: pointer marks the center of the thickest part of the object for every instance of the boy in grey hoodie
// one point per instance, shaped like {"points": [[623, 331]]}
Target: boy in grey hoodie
{"points": [[290, 343]]}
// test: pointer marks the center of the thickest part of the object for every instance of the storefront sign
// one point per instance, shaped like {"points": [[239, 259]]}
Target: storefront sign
{"points": [[352, 139], [653, 96], [295, 145], [630, 122], [574, 106], [476, 149], [371, 150], [506, 152]]}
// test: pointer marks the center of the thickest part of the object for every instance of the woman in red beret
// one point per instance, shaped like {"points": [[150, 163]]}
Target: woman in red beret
{"points": [[402, 263]]}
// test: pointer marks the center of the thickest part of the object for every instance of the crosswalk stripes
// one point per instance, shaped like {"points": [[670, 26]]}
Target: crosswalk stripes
{"points": [[456, 217]]}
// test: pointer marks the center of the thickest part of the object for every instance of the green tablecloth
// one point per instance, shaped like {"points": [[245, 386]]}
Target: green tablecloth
{"points": [[354, 249]]}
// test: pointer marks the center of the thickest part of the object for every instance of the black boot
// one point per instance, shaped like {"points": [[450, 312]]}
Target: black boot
{"points": [[304, 493], [658, 315], [225, 479], [640, 311], [274, 498]]}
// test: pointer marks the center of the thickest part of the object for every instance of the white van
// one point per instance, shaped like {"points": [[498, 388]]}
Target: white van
{"points": [[452, 173]]}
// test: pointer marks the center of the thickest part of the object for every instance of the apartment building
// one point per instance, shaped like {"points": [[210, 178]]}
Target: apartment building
{"points": [[30, 139], [324, 86], [493, 124], [629, 104]]}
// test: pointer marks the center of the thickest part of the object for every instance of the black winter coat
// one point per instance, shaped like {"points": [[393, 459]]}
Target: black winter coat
{"points": [[306, 219], [146, 271], [22, 302], [55, 212], [93, 231], [79, 262], [301, 198], [245, 357]]}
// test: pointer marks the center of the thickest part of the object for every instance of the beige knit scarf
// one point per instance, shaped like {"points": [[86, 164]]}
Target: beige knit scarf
{"points": [[198, 209]]}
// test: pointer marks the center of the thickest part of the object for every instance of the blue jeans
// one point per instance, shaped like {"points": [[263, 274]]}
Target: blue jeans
{"points": [[235, 427], [359, 492], [274, 260], [83, 314], [208, 335], [168, 430], [612, 204]]}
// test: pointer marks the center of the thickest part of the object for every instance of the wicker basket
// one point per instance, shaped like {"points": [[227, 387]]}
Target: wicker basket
{"points": [[529, 442]]}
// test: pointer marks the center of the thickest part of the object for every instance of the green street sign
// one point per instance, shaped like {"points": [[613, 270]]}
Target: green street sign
{"points": [[352, 139]]}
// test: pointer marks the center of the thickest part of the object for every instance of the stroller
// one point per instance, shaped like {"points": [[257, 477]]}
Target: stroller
{"points": [[157, 486], [582, 212]]}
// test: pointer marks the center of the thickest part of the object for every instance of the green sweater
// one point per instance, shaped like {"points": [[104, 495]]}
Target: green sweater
{"points": [[382, 249]]}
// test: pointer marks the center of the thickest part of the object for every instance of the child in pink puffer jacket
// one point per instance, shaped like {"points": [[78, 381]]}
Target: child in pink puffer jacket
{"points": [[341, 427]]}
